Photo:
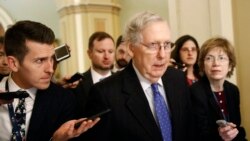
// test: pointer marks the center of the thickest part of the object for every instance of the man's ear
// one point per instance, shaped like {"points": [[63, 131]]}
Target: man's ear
{"points": [[130, 49], [13, 63], [89, 52]]}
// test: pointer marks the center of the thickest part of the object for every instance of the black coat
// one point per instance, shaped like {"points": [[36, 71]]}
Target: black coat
{"points": [[82, 91], [207, 111], [131, 117], [51, 109]]}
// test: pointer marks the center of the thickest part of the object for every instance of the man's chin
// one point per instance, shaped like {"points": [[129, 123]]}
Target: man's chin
{"points": [[43, 85], [122, 63]]}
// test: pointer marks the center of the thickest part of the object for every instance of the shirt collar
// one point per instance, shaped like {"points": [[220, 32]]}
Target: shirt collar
{"points": [[144, 82], [96, 76], [14, 87]]}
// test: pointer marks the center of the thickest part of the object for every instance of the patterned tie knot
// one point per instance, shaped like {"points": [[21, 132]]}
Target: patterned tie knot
{"points": [[20, 116], [154, 87]]}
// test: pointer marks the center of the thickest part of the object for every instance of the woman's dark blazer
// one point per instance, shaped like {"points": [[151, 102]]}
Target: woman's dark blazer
{"points": [[206, 110]]}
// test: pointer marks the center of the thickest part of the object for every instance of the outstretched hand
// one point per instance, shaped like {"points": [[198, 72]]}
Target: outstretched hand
{"points": [[68, 131], [2, 101], [63, 82]]}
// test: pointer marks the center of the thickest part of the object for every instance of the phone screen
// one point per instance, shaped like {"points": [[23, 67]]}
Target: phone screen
{"points": [[11, 95], [75, 77], [62, 52], [77, 125]]}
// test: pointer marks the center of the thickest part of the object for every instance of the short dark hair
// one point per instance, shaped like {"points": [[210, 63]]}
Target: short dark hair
{"points": [[1, 40], [119, 41], [20, 32], [99, 36]]}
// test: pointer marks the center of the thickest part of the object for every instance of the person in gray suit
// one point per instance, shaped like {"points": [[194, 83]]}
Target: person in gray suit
{"points": [[128, 93]]}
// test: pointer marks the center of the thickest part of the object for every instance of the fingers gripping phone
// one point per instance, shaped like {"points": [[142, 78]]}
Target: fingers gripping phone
{"points": [[221, 123], [12, 95], [75, 77], [77, 125]]}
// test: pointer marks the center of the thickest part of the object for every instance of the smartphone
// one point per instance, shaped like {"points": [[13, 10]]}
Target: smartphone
{"points": [[12, 95], [221, 123], [62, 52], [179, 65], [77, 125], [75, 77]]}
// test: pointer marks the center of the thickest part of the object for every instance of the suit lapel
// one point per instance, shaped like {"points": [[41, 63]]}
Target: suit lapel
{"points": [[230, 97], [211, 98], [88, 81], [39, 111], [138, 105], [172, 96]]}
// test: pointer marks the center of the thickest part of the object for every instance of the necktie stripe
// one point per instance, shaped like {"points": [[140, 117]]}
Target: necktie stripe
{"points": [[162, 114], [20, 117]]}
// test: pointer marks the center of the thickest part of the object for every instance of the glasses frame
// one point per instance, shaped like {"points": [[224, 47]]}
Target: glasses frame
{"points": [[220, 59], [156, 46]]}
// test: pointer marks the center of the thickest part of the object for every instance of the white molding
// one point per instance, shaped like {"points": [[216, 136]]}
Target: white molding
{"points": [[5, 18], [173, 18], [79, 41]]}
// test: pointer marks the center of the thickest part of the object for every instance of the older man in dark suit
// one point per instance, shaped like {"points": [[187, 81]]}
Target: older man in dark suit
{"points": [[148, 100]]}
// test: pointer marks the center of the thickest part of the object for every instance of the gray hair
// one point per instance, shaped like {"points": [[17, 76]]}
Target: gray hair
{"points": [[136, 25]]}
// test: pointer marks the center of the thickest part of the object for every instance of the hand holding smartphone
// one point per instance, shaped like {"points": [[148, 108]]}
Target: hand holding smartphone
{"points": [[221, 123], [62, 52], [12, 95], [78, 124], [75, 77]]}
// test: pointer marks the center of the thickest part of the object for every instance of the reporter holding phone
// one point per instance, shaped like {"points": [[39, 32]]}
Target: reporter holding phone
{"points": [[213, 97], [49, 110]]}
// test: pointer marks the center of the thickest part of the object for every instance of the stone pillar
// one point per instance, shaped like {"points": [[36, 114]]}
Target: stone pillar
{"points": [[78, 20]]}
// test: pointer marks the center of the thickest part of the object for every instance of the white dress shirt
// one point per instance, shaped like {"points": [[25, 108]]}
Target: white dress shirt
{"points": [[5, 122], [96, 77], [146, 86]]}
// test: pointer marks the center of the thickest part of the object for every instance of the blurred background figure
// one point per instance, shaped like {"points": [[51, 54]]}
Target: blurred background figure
{"points": [[101, 52], [4, 68], [186, 53], [122, 57]]}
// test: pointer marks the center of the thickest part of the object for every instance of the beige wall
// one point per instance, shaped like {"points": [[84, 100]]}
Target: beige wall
{"points": [[130, 7], [201, 18], [242, 42]]}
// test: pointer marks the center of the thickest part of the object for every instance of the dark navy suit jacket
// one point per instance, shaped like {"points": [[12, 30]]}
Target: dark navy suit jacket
{"points": [[51, 109], [130, 117]]}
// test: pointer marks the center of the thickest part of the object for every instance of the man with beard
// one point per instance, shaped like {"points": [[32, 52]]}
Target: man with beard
{"points": [[122, 57], [101, 51]]}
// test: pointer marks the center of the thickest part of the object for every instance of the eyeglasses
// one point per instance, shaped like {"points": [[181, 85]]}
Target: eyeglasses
{"points": [[156, 46], [211, 59], [186, 50]]}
